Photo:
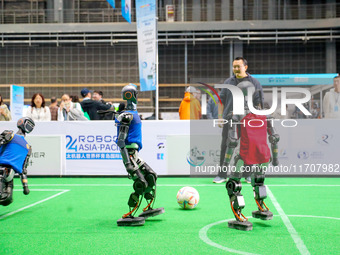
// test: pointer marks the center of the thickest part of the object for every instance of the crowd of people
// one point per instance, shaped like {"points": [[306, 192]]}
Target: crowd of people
{"points": [[68, 109]]}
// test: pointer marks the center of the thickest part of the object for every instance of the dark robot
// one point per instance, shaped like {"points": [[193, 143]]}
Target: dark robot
{"points": [[129, 140], [14, 157], [250, 131]]}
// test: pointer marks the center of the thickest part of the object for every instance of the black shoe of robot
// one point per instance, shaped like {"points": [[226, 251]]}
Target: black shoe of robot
{"points": [[131, 221], [263, 215], [151, 212], [240, 225], [7, 195]]}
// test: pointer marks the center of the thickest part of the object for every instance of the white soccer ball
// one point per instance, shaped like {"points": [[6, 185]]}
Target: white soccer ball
{"points": [[187, 198]]}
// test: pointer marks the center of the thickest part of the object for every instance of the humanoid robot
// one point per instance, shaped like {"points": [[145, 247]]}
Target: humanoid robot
{"points": [[250, 132], [14, 157], [129, 140]]}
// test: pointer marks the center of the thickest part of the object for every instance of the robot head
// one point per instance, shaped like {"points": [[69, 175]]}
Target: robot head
{"points": [[26, 125], [129, 93]]}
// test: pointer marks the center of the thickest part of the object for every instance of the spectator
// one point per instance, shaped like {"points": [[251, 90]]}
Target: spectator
{"points": [[69, 111], [37, 111], [331, 102], [5, 114], [98, 96], [91, 106], [190, 108], [74, 99], [54, 108], [315, 111], [212, 108], [298, 114]]}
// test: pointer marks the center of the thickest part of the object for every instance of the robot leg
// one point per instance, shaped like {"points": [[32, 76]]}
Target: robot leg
{"points": [[237, 203], [134, 202], [136, 197], [6, 186], [150, 192], [260, 193]]}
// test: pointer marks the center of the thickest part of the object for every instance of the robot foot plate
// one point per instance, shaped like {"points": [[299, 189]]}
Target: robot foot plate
{"points": [[240, 225], [266, 215], [6, 202], [131, 221], [151, 213]]}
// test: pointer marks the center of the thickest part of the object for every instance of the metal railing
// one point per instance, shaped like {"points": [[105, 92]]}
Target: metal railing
{"points": [[189, 13]]}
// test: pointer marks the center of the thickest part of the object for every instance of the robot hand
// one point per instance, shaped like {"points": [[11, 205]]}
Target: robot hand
{"points": [[275, 162], [6, 136], [125, 118], [274, 139]]}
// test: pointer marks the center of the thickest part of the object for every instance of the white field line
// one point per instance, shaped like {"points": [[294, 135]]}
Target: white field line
{"points": [[203, 235], [41, 190], [31, 205], [293, 233]]}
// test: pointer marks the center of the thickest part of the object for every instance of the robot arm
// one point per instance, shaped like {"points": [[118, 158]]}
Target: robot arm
{"points": [[23, 175], [6, 136], [274, 138], [125, 121]]}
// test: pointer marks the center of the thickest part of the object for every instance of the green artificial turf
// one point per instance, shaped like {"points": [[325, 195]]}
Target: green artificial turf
{"points": [[81, 218]]}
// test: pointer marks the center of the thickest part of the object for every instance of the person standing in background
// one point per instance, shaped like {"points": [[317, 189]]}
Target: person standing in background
{"points": [[37, 111], [54, 108], [239, 66], [5, 114], [98, 96], [91, 106], [74, 99], [190, 108], [212, 107], [331, 101], [69, 110]]}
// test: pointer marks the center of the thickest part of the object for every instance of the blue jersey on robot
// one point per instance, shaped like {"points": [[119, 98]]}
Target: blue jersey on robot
{"points": [[14, 153], [135, 130]]}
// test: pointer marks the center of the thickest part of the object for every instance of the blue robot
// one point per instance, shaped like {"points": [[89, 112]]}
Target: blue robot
{"points": [[14, 157], [129, 140]]}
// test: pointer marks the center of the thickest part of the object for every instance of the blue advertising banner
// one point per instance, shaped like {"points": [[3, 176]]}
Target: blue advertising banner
{"points": [[295, 79], [126, 10], [112, 3], [147, 43], [17, 102]]}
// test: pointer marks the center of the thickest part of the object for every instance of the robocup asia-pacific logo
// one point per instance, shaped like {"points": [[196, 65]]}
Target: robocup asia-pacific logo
{"points": [[92, 147]]}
